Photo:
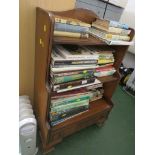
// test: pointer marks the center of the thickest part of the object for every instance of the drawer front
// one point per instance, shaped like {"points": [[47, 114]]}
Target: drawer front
{"points": [[97, 10], [112, 15], [114, 9], [96, 3]]}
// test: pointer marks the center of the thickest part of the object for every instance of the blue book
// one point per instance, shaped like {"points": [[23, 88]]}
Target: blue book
{"points": [[118, 24], [70, 28]]}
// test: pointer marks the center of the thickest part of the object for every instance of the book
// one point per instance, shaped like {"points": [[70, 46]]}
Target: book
{"points": [[76, 92], [59, 60], [72, 84], [69, 73], [62, 120], [105, 73], [69, 106], [71, 21], [64, 114], [102, 35], [70, 34], [70, 28], [118, 42], [75, 52], [71, 99], [62, 79], [81, 86], [69, 68], [110, 23], [112, 30]]}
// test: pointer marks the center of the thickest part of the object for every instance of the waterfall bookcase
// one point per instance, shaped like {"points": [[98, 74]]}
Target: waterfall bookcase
{"points": [[99, 109]]}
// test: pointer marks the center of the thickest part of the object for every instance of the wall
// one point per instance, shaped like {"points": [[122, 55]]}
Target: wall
{"points": [[128, 17], [27, 38]]}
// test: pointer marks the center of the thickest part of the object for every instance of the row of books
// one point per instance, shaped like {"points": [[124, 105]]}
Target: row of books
{"points": [[111, 32], [73, 78], [68, 104], [68, 27]]}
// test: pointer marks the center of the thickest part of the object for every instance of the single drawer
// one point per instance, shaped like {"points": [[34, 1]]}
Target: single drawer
{"points": [[110, 15], [96, 3], [97, 10]]}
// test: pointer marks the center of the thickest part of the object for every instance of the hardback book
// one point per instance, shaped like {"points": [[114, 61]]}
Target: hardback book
{"points": [[69, 106], [59, 60], [70, 34], [76, 92], [75, 52], [118, 42], [71, 21], [112, 30], [69, 73], [105, 61], [111, 23], [64, 119], [71, 68], [62, 79], [80, 86], [105, 73], [72, 84], [102, 35], [70, 28], [64, 114], [71, 99]]}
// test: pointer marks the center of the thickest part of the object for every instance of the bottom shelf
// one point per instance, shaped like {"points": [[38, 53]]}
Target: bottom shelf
{"points": [[95, 107]]}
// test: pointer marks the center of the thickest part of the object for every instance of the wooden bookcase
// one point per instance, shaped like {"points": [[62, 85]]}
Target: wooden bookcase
{"points": [[99, 110]]}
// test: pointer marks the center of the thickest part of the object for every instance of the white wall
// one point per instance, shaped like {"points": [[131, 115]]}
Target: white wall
{"points": [[128, 17]]}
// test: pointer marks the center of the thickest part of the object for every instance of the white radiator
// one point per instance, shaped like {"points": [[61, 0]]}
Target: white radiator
{"points": [[27, 127]]}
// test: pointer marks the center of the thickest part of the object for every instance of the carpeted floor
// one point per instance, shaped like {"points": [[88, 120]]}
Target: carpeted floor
{"points": [[115, 138]]}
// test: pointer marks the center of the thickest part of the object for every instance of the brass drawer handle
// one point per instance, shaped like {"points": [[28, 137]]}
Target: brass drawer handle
{"points": [[41, 42]]}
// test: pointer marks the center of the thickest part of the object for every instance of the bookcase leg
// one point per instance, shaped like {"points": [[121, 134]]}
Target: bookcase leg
{"points": [[46, 149], [100, 123]]}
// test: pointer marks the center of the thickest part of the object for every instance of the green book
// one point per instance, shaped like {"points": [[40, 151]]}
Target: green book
{"points": [[63, 79], [70, 105], [70, 100]]}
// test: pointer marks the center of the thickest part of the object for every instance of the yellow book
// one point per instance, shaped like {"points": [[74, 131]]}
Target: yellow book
{"points": [[71, 21], [104, 61], [70, 34]]}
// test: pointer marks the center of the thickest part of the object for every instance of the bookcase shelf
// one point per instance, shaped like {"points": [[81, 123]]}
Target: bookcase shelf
{"points": [[82, 41], [45, 40], [95, 107]]}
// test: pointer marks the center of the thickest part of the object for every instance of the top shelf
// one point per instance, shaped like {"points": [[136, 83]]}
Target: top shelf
{"points": [[78, 41]]}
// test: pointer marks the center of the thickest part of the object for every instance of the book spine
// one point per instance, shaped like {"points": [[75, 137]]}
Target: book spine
{"points": [[63, 79], [70, 28], [75, 62], [69, 106], [117, 37], [90, 72], [73, 84], [119, 31], [67, 113], [118, 24], [105, 61], [71, 22], [105, 73], [70, 34], [61, 120], [69, 100]]}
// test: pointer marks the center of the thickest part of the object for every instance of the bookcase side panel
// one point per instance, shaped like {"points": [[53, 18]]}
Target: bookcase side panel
{"points": [[41, 88]]}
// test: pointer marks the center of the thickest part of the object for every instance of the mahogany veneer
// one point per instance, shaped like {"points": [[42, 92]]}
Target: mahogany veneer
{"points": [[99, 109]]}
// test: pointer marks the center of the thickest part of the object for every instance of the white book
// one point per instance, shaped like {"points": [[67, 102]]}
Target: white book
{"points": [[118, 42], [81, 86], [74, 68], [79, 54]]}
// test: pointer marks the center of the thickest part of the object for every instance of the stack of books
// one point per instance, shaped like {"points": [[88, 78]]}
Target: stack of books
{"points": [[111, 32], [73, 73], [68, 27]]}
